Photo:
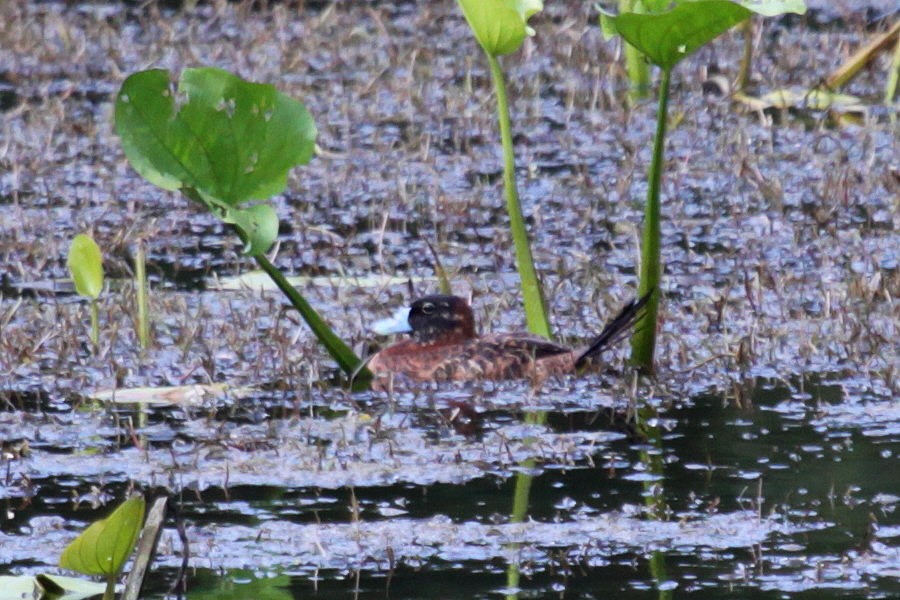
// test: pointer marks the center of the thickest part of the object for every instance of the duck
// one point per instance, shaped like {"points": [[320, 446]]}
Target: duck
{"points": [[443, 345]]}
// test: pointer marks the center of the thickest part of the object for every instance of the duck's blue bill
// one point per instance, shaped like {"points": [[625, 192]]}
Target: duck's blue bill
{"points": [[399, 323]]}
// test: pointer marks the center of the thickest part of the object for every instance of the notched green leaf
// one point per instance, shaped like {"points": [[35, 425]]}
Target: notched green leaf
{"points": [[85, 264], [104, 546]]}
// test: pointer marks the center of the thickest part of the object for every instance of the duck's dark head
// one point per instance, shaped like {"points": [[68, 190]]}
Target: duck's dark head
{"points": [[431, 319]]}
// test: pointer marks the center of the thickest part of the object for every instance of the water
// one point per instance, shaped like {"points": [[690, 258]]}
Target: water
{"points": [[769, 470]]}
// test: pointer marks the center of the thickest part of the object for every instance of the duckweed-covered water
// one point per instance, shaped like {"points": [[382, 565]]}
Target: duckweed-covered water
{"points": [[761, 462]]}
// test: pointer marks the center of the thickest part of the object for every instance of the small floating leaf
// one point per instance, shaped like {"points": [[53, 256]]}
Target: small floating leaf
{"points": [[103, 548], [86, 266], [19, 586], [68, 588]]}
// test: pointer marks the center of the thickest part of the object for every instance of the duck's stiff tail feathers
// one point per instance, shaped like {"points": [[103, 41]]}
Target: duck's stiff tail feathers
{"points": [[616, 329]]}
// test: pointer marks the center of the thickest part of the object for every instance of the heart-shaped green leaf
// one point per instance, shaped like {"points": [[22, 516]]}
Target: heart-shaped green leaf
{"points": [[500, 26], [227, 138], [103, 548], [86, 266], [665, 38]]}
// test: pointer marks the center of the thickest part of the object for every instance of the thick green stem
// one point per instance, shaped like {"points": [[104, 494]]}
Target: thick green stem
{"points": [[140, 286], [339, 351], [535, 309], [643, 343], [636, 64], [110, 592]]}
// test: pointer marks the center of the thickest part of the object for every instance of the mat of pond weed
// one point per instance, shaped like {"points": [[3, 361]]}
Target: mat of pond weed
{"points": [[766, 468]]}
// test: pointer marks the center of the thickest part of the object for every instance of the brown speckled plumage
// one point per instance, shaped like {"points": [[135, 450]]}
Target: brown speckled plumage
{"points": [[443, 346]]}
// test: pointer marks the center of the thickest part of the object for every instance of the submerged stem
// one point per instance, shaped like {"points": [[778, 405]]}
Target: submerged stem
{"points": [[535, 309], [643, 342]]}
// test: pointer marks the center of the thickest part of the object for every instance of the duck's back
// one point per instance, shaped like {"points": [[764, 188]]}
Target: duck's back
{"points": [[494, 356]]}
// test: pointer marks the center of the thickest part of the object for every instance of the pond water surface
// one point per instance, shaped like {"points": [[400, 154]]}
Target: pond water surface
{"points": [[760, 462]]}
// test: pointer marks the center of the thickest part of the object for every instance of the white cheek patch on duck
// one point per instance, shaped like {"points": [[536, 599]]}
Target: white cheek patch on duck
{"points": [[398, 323]]}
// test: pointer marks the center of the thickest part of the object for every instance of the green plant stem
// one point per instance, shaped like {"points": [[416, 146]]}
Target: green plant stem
{"points": [[636, 64], [521, 500], [652, 459], [95, 323], [523, 479], [339, 351], [658, 572], [643, 342], [522, 491], [110, 592], [535, 309], [140, 276]]}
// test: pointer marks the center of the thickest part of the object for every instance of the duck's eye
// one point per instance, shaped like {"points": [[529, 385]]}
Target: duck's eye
{"points": [[427, 308]]}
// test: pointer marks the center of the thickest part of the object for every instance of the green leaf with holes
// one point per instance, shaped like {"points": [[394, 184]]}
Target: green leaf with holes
{"points": [[219, 139], [225, 137], [103, 548]]}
